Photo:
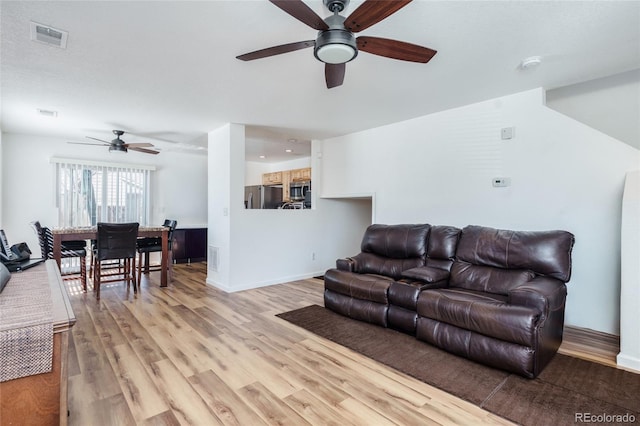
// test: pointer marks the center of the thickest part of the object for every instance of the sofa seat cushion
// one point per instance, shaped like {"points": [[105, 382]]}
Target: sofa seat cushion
{"points": [[482, 313], [369, 287], [426, 274]]}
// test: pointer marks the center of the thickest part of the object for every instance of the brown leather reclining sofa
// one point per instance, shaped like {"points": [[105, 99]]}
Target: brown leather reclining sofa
{"points": [[493, 296]]}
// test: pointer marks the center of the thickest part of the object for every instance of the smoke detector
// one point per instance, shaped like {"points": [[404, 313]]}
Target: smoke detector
{"points": [[530, 62], [48, 35]]}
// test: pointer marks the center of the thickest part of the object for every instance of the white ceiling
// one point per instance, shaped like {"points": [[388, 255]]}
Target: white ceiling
{"points": [[166, 70]]}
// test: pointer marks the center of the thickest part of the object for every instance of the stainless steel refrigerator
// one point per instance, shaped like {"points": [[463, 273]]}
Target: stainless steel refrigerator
{"points": [[262, 197]]}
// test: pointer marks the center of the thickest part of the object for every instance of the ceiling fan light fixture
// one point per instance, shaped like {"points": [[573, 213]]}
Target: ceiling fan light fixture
{"points": [[335, 47], [118, 149]]}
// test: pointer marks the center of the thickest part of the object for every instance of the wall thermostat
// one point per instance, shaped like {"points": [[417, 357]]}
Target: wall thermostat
{"points": [[507, 133]]}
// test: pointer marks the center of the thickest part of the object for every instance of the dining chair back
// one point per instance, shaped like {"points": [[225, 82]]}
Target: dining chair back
{"points": [[115, 241], [69, 249], [146, 246]]}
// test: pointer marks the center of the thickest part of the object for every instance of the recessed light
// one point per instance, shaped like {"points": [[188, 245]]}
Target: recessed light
{"points": [[262, 156], [530, 62], [293, 140], [288, 150]]}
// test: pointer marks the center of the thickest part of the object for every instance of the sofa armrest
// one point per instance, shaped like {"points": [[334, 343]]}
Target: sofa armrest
{"points": [[544, 293], [346, 264], [426, 274]]}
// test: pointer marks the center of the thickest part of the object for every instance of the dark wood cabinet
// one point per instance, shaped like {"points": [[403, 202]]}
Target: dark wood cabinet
{"points": [[189, 245]]}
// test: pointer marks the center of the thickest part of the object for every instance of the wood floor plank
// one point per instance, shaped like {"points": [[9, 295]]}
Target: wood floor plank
{"points": [[163, 419], [269, 407], [223, 400], [135, 333], [186, 404], [111, 411], [142, 396], [314, 410]]}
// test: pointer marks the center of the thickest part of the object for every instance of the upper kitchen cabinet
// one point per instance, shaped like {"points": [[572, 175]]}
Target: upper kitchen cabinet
{"points": [[298, 175], [274, 178]]}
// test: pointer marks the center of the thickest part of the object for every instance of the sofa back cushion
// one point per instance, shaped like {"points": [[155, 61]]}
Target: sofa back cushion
{"points": [[543, 252], [441, 248], [396, 241], [487, 279], [390, 249]]}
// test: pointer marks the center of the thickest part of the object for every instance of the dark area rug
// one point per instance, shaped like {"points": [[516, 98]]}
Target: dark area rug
{"points": [[568, 391]]}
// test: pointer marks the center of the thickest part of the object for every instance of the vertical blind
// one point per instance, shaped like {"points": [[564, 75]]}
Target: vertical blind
{"points": [[88, 193]]}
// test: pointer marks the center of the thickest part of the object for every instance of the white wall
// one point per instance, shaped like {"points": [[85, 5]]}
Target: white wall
{"points": [[179, 184], [610, 104], [438, 169], [263, 247], [219, 211]]}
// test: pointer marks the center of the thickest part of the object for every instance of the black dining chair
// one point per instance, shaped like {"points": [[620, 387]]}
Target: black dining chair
{"points": [[115, 241], [146, 246], [69, 249]]}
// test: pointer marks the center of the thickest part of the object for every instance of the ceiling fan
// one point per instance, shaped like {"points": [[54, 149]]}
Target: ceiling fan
{"points": [[336, 45], [118, 145]]}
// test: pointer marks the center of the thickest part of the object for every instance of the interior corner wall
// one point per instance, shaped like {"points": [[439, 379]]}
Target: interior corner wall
{"points": [[439, 168]]}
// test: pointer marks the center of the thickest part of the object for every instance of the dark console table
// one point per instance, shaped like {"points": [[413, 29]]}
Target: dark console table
{"points": [[189, 245]]}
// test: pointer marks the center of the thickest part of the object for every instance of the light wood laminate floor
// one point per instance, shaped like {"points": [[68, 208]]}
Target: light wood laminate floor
{"points": [[193, 355]]}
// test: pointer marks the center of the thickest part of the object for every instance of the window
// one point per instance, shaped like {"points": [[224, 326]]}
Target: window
{"points": [[92, 192]]}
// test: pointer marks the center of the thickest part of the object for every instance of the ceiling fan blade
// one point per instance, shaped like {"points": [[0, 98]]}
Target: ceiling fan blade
{"points": [[334, 74], [395, 49], [139, 145], [371, 12], [146, 151], [99, 140], [276, 50], [91, 144], [302, 13]]}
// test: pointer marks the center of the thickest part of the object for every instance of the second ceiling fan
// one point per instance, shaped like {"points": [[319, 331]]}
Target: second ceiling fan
{"points": [[120, 146], [336, 44]]}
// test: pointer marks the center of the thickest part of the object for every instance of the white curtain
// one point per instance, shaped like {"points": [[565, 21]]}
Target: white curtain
{"points": [[88, 193]]}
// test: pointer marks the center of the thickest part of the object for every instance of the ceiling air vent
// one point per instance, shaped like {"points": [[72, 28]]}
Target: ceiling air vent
{"points": [[48, 35]]}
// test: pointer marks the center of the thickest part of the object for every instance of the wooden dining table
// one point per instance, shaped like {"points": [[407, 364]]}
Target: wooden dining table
{"points": [[91, 233]]}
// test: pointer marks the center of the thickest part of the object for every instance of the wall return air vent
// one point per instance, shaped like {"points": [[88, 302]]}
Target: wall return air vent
{"points": [[48, 35]]}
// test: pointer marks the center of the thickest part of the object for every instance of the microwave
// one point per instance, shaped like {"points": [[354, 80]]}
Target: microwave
{"points": [[297, 190]]}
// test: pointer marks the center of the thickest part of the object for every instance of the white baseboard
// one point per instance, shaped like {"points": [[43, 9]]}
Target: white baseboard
{"points": [[628, 362], [249, 286]]}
